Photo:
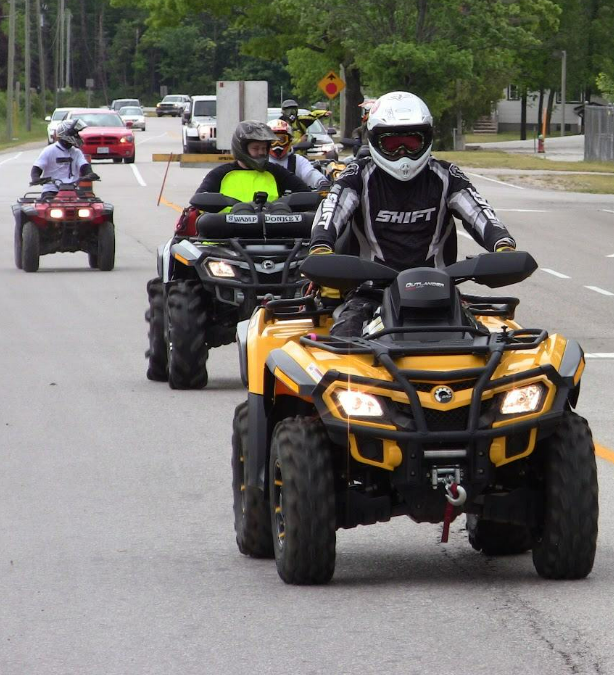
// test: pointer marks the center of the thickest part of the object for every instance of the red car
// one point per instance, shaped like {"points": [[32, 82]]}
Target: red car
{"points": [[106, 135]]}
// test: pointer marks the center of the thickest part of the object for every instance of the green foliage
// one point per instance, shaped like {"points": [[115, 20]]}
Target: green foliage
{"points": [[605, 84]]}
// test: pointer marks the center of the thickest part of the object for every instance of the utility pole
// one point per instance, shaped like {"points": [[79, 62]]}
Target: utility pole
{"points": [[68, 20], [563, 88], [61, 20], [41, 55], [27, 65], [56, 61], [10, 81]]}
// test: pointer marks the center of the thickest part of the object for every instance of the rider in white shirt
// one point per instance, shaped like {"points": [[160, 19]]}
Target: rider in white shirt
{"points": [[282, 153], [63, 159]]}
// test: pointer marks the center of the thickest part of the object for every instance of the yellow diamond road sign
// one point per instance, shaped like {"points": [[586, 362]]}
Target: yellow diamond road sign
{"points": [[331, 84]]}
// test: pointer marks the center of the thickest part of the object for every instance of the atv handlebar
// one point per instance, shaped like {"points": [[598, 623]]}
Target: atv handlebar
{"points": [[59, 182]]}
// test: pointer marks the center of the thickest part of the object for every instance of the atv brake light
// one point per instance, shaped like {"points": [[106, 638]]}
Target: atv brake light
{"points": [[56, 213], [522, 400], [84, 213], [219, 268], [358, 404]]}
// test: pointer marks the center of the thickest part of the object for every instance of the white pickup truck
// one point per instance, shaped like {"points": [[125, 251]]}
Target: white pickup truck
{"points": [[199, 130]]}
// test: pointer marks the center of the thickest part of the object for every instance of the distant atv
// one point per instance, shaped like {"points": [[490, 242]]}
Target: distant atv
{"points": [[443, 405], [73, 219], [208, 283]]}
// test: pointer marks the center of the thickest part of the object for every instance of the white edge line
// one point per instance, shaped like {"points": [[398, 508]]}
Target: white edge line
{"points": [[523, 210], [607, 210], [19, 154], [151, 138], [554, 273], [602, 355], [598, 290], [610, 256], [138, 176], [479, 175]]}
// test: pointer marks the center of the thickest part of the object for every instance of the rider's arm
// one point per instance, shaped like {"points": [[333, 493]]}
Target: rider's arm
{"points": [[286, 180], [336, 211], [309, 174], [476, 214], [212, 182], [35, 173]]}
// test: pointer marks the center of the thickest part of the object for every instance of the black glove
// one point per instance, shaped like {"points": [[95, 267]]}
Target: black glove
{"points": [[90, 176]]}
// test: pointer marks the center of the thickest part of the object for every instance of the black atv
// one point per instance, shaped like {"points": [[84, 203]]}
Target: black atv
{"points": [[208, 283]]}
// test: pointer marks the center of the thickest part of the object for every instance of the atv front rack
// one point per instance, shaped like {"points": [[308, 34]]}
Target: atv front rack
{"points": [[484, 341]]}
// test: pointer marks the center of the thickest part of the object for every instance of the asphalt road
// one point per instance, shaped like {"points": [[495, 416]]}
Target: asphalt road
{"points": [[117, 551]]}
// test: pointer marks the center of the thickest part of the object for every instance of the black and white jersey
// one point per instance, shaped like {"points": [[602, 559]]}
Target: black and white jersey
{"points": [[406, 224]]}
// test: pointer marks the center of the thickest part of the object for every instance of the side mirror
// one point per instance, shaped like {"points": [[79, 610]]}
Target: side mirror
{"points": [[48, 118], [331, 131]]}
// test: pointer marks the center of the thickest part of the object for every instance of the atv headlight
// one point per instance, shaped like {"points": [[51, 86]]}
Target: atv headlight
{"points": [[56, 213], [84, 213], [219, 268], [358, 404], [522, 400]]}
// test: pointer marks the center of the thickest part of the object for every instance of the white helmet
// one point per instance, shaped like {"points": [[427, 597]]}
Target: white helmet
{"points": [[400, 133]]}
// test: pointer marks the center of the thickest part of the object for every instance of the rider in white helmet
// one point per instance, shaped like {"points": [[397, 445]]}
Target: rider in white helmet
{"points": [[401, 202]]}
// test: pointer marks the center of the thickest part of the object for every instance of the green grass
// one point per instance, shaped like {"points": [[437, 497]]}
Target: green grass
{"points": [[504, 136], [603, 185], [20, 135], [493, 138], [479, 159]]}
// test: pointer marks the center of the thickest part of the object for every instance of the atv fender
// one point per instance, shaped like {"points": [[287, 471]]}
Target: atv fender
{"points": [[570, 370], [258, 442], [280, 362], [165, 262], [242, 328], [18, 215]]}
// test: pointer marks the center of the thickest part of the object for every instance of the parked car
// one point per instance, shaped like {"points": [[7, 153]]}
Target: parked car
{"points": [[120, 103], [173, 105], [106, 136], [134, 117], [317, 132], [58, 115], [200, 132]]}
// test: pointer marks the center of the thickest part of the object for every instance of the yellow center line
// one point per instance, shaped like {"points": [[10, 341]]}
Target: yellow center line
{"points": [[604, 453], [173, 206]]}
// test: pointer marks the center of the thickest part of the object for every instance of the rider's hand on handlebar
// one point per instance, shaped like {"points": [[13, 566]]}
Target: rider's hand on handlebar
{"points": [[90, 176], [325, 291]]}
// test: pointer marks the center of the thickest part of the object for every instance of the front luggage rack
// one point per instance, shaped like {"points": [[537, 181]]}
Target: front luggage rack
{"points": [[484, 342]]}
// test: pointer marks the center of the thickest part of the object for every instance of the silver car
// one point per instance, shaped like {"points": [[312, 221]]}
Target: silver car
{"points": [[133, 117], [59, 115]]}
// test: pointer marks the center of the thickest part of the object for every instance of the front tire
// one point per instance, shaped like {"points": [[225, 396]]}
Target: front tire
{"points": [[130, 160], [30, 247], [565, 547], [187, 345], [302, 502], [252, 517], [497, 538], [106, 247], [17, 248], [158, 350]]}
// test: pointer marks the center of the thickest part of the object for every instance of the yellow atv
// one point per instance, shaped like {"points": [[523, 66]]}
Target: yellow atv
{"points": [[443, 405]]}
